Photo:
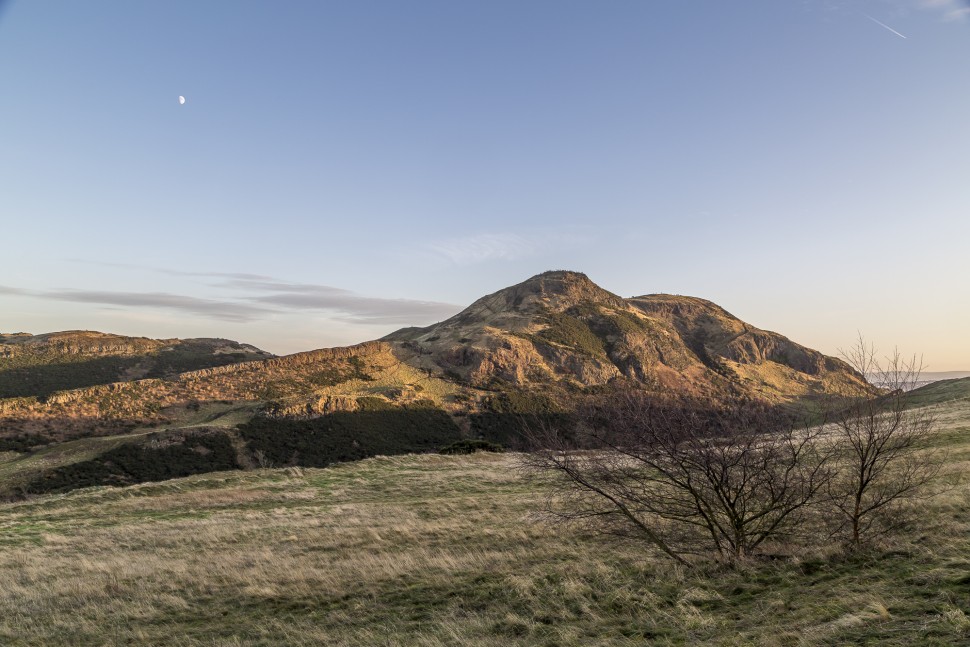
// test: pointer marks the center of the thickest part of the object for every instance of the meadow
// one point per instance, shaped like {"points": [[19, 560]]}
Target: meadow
{"points": [[445, 550]]}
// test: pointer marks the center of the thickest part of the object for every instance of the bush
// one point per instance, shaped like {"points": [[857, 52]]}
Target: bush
{"points": [[687, 477], [471, 446]]}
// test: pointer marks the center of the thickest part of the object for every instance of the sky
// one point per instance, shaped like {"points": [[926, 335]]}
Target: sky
{"points": [[343, 169]]}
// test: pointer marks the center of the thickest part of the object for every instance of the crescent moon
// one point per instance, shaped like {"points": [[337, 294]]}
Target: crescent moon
{"points": [[181, 100]]}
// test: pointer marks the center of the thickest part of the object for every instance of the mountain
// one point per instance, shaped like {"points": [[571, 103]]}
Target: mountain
{"points": [[534, 348], [39, 365]]}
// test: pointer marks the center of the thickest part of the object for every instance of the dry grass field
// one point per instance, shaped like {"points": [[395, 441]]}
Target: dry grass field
{"points": [[442, 550]]}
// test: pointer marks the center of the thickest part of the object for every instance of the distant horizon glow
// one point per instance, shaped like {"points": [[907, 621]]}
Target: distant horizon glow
{"points": [[400, 161]]}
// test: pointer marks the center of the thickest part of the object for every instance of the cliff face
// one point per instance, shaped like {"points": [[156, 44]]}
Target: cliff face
{"points": [[79, 342]]}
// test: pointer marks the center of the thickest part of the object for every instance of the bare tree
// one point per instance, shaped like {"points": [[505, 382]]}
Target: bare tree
{"points": [[688, 476], [885, 445]]}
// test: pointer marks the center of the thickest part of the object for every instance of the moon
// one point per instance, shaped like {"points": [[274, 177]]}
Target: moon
{"points": [[181, 100]]}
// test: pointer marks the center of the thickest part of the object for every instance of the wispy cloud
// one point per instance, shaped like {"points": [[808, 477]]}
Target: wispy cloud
{"points": [[892, 10], [255, 297], [346, 305], [484, 247], [950, 9], [171, 272], [210, 308], [359, 309], [480, 248]]}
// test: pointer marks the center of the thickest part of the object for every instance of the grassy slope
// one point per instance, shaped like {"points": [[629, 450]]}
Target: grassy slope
{"points": [[379, 376], [939, 392], [17, 470], [434, 550], [43, 371]]}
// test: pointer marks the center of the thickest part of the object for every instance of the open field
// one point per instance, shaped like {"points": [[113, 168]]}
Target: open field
{"points": [[441, 550]]}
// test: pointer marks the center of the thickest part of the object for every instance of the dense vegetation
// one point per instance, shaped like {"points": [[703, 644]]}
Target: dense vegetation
{"points": [[348, 436], [40, 375], [154, 459]]}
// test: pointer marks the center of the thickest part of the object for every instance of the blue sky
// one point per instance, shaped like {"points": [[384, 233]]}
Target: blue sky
{"points": [[342, 169]]}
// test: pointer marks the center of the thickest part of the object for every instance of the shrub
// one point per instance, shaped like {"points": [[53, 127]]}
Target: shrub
{"points": [[471, 446]]}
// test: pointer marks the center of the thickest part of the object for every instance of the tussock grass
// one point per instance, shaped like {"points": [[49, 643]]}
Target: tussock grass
{"points": [[440, 550]]}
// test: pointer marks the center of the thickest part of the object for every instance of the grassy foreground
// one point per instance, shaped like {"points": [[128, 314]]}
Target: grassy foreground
{"points": [[439, 550]]}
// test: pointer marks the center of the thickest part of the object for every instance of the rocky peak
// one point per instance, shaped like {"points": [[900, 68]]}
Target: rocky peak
{"points": [[557, 290]]}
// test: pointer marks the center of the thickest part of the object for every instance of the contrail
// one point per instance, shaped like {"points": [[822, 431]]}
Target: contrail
{"points": [[882, 24]]}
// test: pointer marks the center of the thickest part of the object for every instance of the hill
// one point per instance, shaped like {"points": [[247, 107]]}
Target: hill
{"points": [[39, 365], [940, 392], [560, 330], [533, 349]]}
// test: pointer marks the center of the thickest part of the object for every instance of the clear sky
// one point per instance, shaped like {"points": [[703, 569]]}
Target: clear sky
{"points": [[343, 169]]}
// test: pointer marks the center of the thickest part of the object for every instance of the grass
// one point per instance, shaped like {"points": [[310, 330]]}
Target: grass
{"points": [[443, 550], [432, 550], [18, 470], [940, 392]]}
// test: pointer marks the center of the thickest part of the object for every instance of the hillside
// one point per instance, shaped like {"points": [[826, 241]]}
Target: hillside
{"points": [[440, 550], [940, 392], [39, 365], [535, 348], [312, 408]]}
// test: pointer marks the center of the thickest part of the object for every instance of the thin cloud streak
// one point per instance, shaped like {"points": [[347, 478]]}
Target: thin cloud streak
{"points": [[171, 272], [364, 310], [211, 308], [352, 308], [884, 25], [268, 284], [261, 298]]}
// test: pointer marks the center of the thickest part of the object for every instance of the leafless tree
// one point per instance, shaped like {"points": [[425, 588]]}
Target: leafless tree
{"points": [[688, 476], [886, 455]]}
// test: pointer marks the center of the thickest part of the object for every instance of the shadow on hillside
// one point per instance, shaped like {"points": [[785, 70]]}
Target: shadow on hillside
{"points": [[266, 442], [44, 379]]}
